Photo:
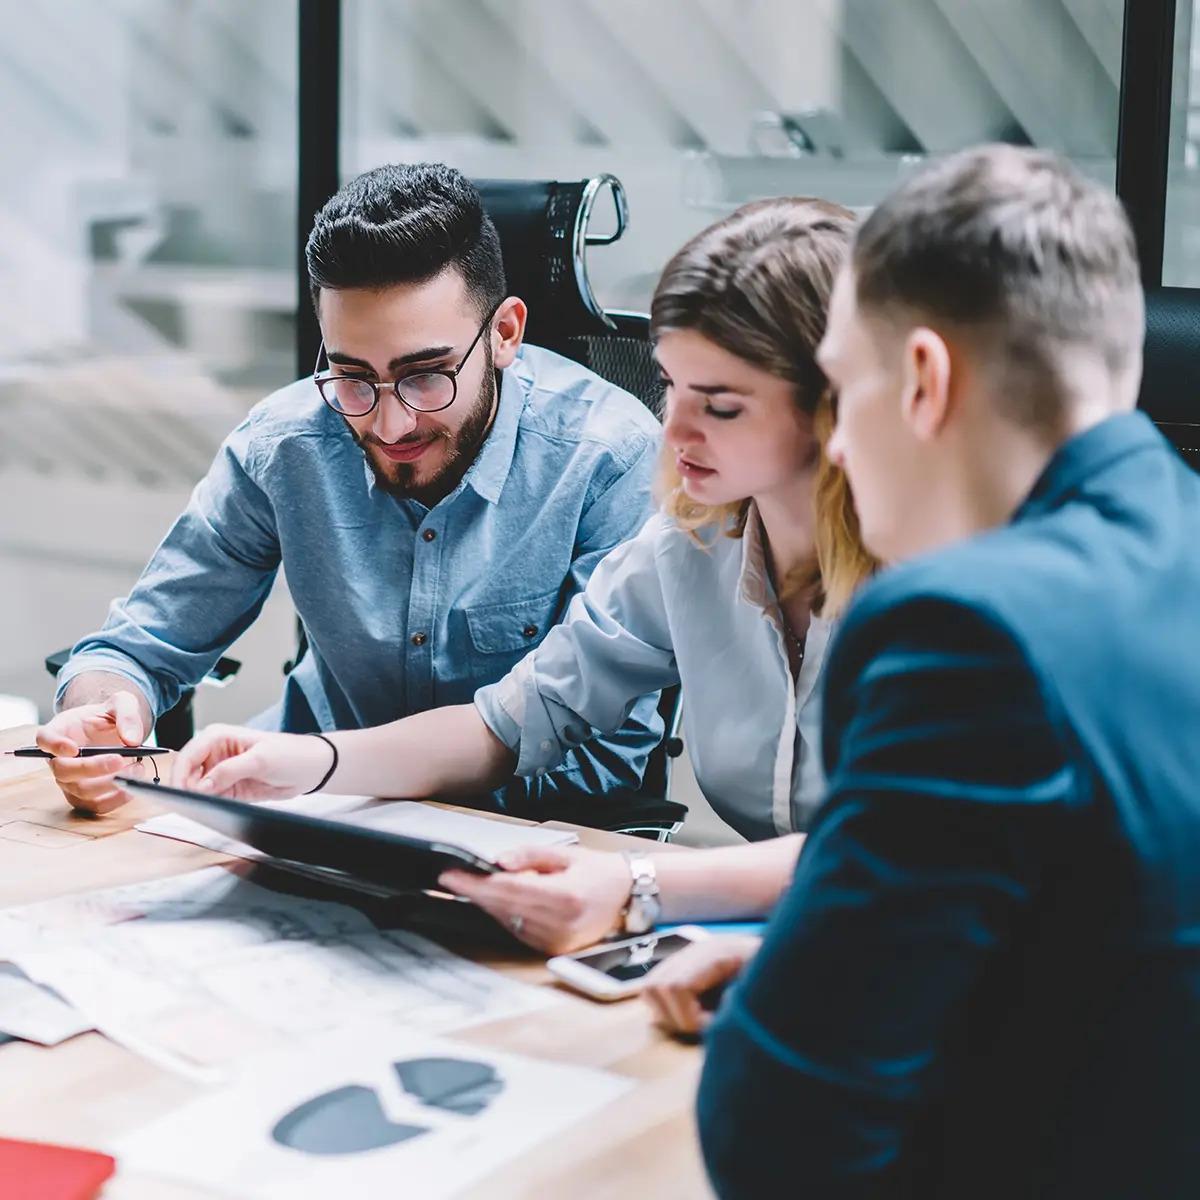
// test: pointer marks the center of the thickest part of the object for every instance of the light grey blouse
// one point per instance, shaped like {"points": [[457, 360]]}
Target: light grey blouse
{"points": [[658, 610]]}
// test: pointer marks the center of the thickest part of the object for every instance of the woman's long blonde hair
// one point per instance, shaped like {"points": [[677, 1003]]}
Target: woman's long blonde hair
{"points": [[757, 284]]}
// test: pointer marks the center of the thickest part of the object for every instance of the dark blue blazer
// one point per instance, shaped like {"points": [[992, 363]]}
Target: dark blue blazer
{"points": [[984, 980]]}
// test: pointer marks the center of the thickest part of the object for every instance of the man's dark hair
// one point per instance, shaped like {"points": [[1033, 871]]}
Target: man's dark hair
{"points": [[406, 223]]}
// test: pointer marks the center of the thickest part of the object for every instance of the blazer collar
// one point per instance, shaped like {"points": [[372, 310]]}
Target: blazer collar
{"points": [[1085, 455]]}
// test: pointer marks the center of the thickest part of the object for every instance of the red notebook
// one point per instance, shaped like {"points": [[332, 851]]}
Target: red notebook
{"points": [[38, 1171]]}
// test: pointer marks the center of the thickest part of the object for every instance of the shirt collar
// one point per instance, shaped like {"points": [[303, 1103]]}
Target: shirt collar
{"points": [[489, 472], [754, 581], [754, 589], [1080, 458]]}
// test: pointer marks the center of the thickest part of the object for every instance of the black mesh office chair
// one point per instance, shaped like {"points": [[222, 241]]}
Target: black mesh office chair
{"points": [[544, 236], [1170, 393], [543, 227]]}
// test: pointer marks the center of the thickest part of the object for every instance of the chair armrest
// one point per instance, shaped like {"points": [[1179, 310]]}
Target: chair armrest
{"points": [[223, 670]]}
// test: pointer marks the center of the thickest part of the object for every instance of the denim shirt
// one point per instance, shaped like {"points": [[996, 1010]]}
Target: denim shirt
{"points": [[666, 609], [406, 608]]}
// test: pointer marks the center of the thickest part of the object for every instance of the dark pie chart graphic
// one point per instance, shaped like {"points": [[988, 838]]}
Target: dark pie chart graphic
{"points": [[453, 1084], [348, 1120], [351, 1119]]}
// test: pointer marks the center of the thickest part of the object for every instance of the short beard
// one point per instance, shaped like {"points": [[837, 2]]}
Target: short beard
{"points": [[400, 480]]}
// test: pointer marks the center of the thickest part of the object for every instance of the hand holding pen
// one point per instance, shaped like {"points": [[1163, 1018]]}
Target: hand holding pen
{"points": [[87, 778], [137, 753]]}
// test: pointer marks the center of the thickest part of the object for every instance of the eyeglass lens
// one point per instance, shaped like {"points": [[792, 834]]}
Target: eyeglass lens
{"points": [[425, 393]]}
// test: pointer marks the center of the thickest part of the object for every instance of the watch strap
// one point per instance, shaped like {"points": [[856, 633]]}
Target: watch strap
{"points": [[641, 911]]}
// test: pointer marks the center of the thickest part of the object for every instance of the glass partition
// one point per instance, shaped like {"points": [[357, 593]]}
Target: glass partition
{"points": [[147, 284], [1181, 234], [701, 105]]}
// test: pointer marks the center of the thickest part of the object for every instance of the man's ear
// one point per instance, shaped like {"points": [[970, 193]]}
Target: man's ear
{"points": [[925, 400], [508, 328]]}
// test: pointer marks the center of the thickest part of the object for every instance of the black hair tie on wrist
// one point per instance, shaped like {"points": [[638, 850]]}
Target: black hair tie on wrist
{"points": [[332, 766]]}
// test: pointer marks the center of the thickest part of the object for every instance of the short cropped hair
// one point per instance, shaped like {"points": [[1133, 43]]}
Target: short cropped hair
{"points": [[406, 223], [1015, 240]]}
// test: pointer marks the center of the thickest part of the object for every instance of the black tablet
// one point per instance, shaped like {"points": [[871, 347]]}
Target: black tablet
{"points": [[373, 855]]}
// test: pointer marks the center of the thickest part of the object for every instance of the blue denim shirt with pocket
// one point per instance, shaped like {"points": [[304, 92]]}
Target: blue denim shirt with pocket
{"points": [[406, 608]]}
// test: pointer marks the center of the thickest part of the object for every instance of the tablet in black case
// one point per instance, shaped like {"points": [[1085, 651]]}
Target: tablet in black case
{"points": [[373, 855]]}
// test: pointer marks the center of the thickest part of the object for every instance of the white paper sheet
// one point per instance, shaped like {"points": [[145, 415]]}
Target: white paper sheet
{"points": [[482, 836], [34, 1013], [298, 988], [71, 918], [188, 971], [127, 958], [373, 1112]]}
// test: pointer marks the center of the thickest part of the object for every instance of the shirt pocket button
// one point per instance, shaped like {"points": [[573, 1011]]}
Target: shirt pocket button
{"points": [[511, 626]]}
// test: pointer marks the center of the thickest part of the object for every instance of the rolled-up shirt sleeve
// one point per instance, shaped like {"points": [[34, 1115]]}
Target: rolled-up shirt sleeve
{"points": [[613, 646], [201, 590]]}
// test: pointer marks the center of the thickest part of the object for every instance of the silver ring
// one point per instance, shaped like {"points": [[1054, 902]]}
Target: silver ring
{"points": [[516, 924]]}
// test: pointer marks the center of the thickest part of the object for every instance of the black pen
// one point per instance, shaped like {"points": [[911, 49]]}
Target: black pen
{"points": [[89, 752]]}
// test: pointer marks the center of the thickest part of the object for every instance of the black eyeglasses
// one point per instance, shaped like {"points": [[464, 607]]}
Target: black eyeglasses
{"points": [[426, 392]]}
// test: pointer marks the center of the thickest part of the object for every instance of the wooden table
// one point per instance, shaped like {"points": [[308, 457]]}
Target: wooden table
{"points": [[88, 1091]]}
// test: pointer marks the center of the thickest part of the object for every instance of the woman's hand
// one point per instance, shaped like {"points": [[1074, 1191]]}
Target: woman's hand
{"points": [[676, 988], [564, 896], [251, 764]]}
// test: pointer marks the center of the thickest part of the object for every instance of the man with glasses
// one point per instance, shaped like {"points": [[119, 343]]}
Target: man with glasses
{"points": [[434, 500]]}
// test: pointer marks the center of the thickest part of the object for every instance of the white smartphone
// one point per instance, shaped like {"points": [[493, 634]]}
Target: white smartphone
{"points": [[615, 970]]}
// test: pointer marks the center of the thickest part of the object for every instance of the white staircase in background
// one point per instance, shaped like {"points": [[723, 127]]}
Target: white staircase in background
{"points": [[177, 138], [146, 208]]}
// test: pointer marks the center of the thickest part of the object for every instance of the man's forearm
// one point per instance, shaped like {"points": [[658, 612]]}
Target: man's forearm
{"points": [[95, 687], [728, 883], [439, 752]]}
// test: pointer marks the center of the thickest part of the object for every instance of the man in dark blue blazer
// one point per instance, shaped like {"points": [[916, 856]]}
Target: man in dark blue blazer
{"points": [[985, 978]]}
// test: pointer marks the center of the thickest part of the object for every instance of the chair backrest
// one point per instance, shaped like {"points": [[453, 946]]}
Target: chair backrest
{"points": [[543, 227], [1170, 393], [623, 356]]}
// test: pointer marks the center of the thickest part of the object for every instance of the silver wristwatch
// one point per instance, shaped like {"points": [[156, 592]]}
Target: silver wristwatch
{"points": [[641, 914]]}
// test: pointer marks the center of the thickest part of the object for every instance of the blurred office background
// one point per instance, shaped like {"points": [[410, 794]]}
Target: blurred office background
{"points": [[148, 227]]}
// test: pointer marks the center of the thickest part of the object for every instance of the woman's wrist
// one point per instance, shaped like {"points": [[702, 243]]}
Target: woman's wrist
{"points": [[642, 907], [333, 764]]}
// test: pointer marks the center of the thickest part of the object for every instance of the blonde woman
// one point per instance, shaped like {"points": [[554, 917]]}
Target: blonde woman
{"points": [[730, 590]]}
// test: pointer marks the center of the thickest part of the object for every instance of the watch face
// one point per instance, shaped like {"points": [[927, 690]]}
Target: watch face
{"points": [[637, 920], [643, 914]]}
